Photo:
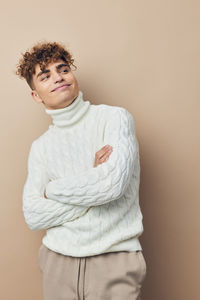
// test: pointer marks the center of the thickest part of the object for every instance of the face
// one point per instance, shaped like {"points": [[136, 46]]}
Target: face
{"points": [[55, 87]]}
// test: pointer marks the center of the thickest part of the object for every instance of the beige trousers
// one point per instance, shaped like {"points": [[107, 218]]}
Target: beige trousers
{"points": [[107, 276]]}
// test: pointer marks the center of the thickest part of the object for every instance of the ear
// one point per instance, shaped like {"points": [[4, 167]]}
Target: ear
{"points": [[36, 97]]}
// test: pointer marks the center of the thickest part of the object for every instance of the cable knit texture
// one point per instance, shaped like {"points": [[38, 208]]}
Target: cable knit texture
{"points": [[86, 210]]}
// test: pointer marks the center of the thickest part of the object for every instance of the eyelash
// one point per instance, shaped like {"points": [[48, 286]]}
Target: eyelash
{"points": [[48, 75]]}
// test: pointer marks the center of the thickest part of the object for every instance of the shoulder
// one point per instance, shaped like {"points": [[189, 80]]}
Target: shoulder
{"points": [[113, 111], [37, 147], [40, 141], [119, 114], [116, 120]]}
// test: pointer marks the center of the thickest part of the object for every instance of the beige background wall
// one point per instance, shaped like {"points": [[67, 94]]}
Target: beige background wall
{"points": [[143, 55]]}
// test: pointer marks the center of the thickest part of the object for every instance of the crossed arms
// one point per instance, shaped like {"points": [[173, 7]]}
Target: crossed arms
{"points": [[70, 197]]}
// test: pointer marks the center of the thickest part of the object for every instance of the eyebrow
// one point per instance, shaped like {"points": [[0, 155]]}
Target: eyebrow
{"points": [[47, 70]]}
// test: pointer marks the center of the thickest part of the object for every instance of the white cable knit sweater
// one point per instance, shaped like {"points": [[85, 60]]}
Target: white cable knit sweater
{"points": [[88, 210]]}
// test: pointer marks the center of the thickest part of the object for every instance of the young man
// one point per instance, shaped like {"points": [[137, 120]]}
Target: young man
{"points": [[82, 187]]}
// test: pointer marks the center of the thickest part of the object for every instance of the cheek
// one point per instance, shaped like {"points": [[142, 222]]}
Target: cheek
{"points": [[75, 82], [44, 92], [47, 87], [71, 78]]}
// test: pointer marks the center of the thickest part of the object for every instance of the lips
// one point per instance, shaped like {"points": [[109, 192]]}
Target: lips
{"points": [[60, 87]]}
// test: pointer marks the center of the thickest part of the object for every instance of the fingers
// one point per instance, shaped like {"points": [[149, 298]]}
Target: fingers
{"points": [[103, 151], [103, 154]]}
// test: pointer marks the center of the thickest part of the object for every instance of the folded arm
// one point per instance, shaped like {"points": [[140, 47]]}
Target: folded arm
{"points": [[108, 181], [40, 212]]}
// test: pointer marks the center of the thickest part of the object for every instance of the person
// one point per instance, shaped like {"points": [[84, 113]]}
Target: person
{"points": [[82, 186]]}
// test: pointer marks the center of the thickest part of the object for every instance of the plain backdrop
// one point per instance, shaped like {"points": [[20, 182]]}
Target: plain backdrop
{"points": [[144, 56]]}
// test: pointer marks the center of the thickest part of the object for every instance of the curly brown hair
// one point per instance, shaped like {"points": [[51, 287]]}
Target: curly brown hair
{"points": [[41, 53]]}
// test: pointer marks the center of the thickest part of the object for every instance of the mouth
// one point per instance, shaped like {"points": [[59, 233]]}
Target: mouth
{"points": [[61, 86]]}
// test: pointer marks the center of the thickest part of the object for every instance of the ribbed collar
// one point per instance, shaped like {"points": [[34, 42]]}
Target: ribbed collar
{"points": [[70, 114]]}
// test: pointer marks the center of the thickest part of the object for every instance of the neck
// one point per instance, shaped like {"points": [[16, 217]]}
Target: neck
{"points": [[70, 114]]}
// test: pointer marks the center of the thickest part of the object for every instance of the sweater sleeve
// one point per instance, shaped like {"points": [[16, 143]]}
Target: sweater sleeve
{"points": [[109, 180], [40, 212]]}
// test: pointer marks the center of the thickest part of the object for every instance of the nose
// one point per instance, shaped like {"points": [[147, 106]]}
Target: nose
{"points": [[57, 77]]}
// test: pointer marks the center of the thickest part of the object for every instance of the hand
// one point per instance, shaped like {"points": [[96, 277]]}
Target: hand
{"points": [[45, 196], [102, 155]]}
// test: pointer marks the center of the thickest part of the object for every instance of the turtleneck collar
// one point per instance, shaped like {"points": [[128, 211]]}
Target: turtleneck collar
{"points": [[70, 114]]}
